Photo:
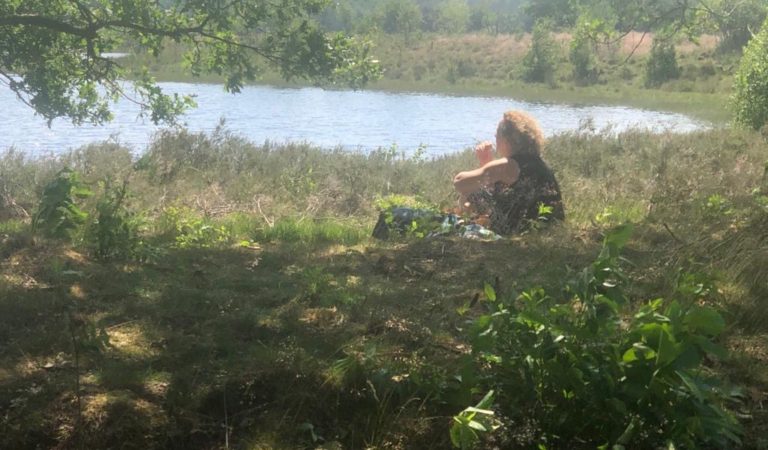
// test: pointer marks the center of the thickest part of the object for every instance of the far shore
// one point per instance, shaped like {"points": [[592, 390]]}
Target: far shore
{"points": [[702, 106]]}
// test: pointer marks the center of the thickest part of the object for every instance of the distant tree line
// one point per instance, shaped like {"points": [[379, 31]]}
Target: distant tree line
{"points": [[735, 21], [437, 16]]}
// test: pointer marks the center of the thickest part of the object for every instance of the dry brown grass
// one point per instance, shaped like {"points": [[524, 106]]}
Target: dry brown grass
{"points": [[506, 45]]}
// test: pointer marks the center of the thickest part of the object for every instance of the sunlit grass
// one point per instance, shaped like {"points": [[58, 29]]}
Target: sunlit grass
{"points": [[313, 232], [13, 226]]}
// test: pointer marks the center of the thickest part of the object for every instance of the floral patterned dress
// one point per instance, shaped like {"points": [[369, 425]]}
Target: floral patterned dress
{"points": [[513, 209]]}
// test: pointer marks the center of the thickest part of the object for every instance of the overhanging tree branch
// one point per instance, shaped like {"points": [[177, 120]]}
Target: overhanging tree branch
{"points": [[49, 23], [54, 49]]}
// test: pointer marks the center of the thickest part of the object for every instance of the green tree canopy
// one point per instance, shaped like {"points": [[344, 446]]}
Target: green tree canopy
{"points": [[52, 52], [750, 98], [452, 16], [400, 16]]}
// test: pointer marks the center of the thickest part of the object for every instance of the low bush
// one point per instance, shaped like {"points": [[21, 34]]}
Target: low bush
{"points": [[540, 62], [579, 368], [58, 212], [661, 65], [750, 98], [583, 57]]}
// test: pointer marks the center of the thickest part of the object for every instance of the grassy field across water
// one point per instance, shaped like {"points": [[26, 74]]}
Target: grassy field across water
{"points": [[491, 65]]}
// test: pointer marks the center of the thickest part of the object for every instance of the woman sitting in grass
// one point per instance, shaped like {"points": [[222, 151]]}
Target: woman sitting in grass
{"points": [[518, 189]]}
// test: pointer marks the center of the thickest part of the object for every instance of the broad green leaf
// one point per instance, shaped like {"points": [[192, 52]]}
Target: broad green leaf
{"points": [[668, 349], [619, 236], [490, 293], [638, 351], [472, 409], [710, 347], [689, 357], [693, 385], [477, 426], [704, 320], [619, 406], [486, 401]]}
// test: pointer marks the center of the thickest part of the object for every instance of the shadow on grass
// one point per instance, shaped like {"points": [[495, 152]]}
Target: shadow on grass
{"points": [[281, 346], [286, 345]]}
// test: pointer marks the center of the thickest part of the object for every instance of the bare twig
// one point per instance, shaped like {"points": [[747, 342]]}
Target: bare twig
{"points": [[270, 222], [666, 227]]}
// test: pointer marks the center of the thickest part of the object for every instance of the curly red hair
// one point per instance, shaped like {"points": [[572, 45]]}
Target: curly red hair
{"points": [[522, 131]]}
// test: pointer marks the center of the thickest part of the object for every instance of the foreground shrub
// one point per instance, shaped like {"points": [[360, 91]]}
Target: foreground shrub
{"points": [[189, 230], [750, 97], [58, 213], [575, 371], [115, 231]]}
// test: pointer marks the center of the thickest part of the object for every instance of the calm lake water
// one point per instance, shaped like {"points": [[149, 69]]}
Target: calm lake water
{"points": [[355, 120]]}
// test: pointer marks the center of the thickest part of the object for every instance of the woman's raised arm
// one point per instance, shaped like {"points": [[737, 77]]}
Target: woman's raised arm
{"points": [[505, 170]]}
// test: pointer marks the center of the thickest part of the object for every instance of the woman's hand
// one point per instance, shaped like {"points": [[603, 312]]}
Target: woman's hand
{"points": [[460, 176], [484, 152]]}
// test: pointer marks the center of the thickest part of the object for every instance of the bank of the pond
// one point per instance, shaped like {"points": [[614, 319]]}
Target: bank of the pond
{"points": [[705, 106], [708, 107]]}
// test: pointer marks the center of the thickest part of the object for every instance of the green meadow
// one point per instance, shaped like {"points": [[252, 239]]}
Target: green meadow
{"points": [[212, 293]]}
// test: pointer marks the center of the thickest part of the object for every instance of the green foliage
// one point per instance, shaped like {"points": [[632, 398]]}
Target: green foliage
{"points": [[558, 12], [452, 16], [188, 230], [324, 289], [400, 16], [540, 62], [479, 19], [55, 50], [388, 202], [661, 65], [422, 219], [582, 56], [115, 232], [750, 98], [544, 216], [458, 69], [300, 183], [314, 232], [58, 213], [735, 21], [88, 336], [717, 206], [582, 369], [473, 420]]}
